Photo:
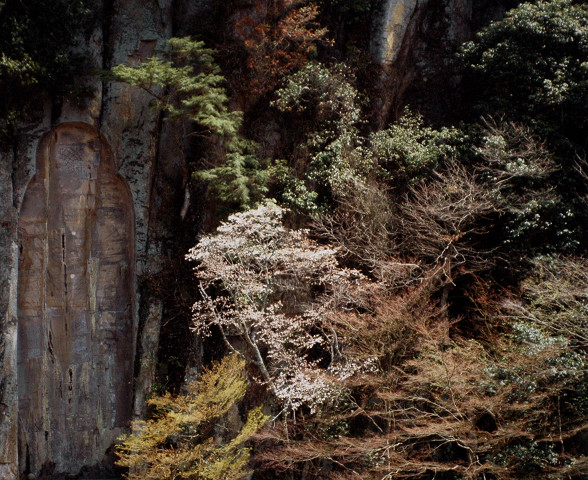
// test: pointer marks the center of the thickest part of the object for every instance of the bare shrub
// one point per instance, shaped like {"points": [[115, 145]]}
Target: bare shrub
{"points": [[459, 407], [364, 227], [555, 297], [442, 218]]}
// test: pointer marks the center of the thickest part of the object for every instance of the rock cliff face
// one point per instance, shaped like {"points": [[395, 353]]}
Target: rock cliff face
{"points": [[75, 237], [390, 28], [85, 199], [416, 41], [76, 302]]}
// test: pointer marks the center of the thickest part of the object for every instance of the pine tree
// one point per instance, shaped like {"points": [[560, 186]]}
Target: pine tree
{"points": [[187, 84]]}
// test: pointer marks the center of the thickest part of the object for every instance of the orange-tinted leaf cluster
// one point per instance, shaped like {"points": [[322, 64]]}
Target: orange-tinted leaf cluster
{"points": [[279, 39]]}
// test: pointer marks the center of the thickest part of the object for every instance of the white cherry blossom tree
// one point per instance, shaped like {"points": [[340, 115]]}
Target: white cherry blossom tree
{"points": [[268, 290]]}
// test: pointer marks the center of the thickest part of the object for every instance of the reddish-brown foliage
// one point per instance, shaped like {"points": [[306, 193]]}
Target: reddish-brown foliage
{"points": [[279, 37]]}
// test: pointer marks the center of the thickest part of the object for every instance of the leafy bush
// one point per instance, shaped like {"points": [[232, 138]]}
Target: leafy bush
{"points": [[335, 156], [181, 440], [332, 151], [187, 85], [532, 66], [326, 94], [542, 211], [409, 151]]}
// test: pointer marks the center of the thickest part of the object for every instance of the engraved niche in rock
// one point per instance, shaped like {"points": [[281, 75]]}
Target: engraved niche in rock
{"points": [[75, 304]]}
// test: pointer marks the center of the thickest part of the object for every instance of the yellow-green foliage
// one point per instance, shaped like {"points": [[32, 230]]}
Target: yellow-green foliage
{"points": [[180, 441]]}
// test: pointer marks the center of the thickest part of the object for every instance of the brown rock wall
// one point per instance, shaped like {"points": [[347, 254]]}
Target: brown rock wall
{"points": [[415, 42], [76, 303], [83, 345]]}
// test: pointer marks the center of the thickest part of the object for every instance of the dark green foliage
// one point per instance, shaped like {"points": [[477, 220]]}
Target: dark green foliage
{"points": [[36, 59], [542, 209], [532, 66], [353, 10], [336, 156], [187, 84], [409, 151], [241, 181], [326, 95], [324, 104]]}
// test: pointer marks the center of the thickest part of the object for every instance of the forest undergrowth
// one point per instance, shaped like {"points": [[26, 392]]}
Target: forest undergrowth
{"points": [[410, 302]]}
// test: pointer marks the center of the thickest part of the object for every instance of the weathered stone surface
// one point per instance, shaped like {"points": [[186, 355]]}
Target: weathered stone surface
{"points": [[13, 179], [390, 27], [8, 315], [76, 303], [416, 42], [130, 30], [136, 29], [149, 344]]}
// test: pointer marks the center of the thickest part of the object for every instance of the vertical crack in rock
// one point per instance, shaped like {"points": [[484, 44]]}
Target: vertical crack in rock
{"points": [[63, 262], [13, 176], [107, 53], [77, 297], [50, 347]]}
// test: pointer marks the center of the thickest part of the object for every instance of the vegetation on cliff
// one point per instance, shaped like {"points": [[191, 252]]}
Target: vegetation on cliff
{"points": [[460, 352], [37, 62], [430, 319], [409, 302], [182, 440]]}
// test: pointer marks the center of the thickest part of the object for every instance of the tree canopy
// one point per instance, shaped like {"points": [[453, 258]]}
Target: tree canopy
{"points": [[532, 66], [36, 56]]}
